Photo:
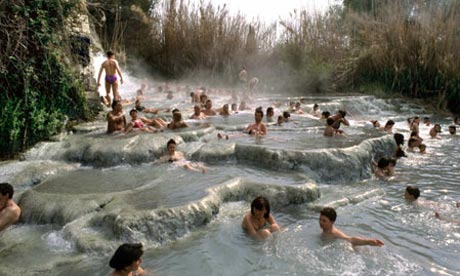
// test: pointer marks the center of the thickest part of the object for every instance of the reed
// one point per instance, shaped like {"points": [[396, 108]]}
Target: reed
{"points": [[409, 49]]}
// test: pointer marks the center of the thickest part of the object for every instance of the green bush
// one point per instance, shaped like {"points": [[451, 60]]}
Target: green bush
{"points": [[37, 90]]}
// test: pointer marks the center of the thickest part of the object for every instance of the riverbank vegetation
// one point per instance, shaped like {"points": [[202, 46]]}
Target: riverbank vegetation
{"points": [[407, 47], [38, 91]]}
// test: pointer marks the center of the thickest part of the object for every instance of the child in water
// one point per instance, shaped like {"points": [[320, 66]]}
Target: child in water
{"points": [[259, 223]]}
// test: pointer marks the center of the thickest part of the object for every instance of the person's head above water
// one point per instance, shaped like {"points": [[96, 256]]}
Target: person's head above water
{"points": [[327, 218], [110, 54], [389, 124], [6, 189], [342, 113], [127, 256], [116, 105], [330, 213], [259, 114], [171, 145], [330, 121], [412, 193], [325, 114], [452, 130], [270, 112], [286, 114], [399, 139], [261, 203]]}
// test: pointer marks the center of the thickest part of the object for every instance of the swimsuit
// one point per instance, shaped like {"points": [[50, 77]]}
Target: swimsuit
{"points": [[138, 124], [111, 78], [140, 108]]}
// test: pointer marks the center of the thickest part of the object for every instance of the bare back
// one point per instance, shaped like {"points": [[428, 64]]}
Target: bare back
{"points": [[110, 66], [9, 215]]}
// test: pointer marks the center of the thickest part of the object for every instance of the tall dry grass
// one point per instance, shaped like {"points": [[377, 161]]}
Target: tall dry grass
{"points": [[413, 50]]}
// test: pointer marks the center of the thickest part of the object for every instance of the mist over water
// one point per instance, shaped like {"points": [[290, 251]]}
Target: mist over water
{"points": [[85, 194]]}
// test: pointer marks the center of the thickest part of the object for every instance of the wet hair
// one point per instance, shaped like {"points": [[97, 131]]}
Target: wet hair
{"points": [[110, 54], [132, 111], [390, 123], [330, 213], [260, 203], [125, 255], [439, 126], [454, 128], [413, 133], [330, 121], [422, 147], [383, 163], [286, 114], [6, 189], [192, 94], [171, 141], [426, 119], [177, 116], [315, 106], [259, 110], [269, 109], [115, 103], [326, 114], [343, 113], [413, 191], [203, 96], [280, 117], [399, 139], [175, 110]]}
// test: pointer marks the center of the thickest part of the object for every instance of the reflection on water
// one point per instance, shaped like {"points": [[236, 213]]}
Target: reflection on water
{"points": [[95, 191]]}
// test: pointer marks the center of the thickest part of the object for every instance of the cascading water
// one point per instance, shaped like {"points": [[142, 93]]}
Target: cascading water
{"points": [[83, 195]]}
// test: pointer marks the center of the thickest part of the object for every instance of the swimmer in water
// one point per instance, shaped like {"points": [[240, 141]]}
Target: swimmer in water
{"points": [[127, 260], [9, 210], [388, 128], [259, 223], [326, 222], [434, 131], [257, 129], [138, 123], [177, 157], [197, 114], [316, 112], [177, 121], [330, 131], [208, 111]]}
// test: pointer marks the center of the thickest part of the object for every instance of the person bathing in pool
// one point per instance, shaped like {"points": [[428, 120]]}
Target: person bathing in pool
{"points": [[127, 260], [177, 157], [259, 223], [326, 222], [257, 129]]}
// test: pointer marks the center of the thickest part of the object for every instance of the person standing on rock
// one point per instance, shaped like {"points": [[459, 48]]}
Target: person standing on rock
{"points": [[111, 81]]}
